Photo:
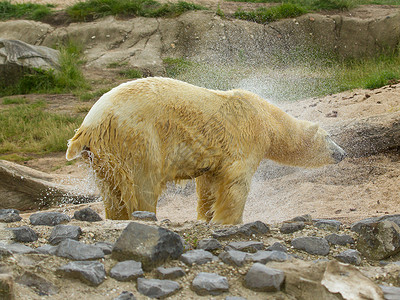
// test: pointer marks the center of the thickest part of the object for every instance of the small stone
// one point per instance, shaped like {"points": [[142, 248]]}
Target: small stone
{"points": [[78, 251], [210, 284], [17, 248], [264, 279], [90, 272], [339, 239], [248, 246], [156, 288], [277, 247], [248, 229], [331, 225], [62, 232], [209, 244], [125, 295], [127, 270], [47, 249], [292, 227], [6, 286], [349, 256], [234, 298], [144, 216], [266, 256], [10, 217], [48, 218], [41, 285], [169, 273], [197, 257], [87, 214], [105, 246], [312, 245], [233, 257], [302, 218], [24, 234], [9, 211]]}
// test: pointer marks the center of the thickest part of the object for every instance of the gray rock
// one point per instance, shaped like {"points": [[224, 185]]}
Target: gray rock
{"points": [[356, 227], [8, 211], [125, 295], [390, 292], [302, 218], [339, 239], [87, 214], [197, 256], [331, 225], [105, 246], [277, 247], [78, 251], [266, 256], [312, 245], [127, 270], [156, 288], [17, 248], [144, 216], [169, 273], [209, 244], [379, 240], [150, 245], [10, 217], [262, 278], [90, 272], [234, 298], [233, 257], [248, 246], [62, 232], [48, 218], [246, 230], [47, 249], [209, 284], [349, 256], [24, 234], [292, 227], [42, 286]]}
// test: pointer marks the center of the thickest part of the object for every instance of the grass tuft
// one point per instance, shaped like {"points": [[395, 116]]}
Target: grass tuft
{"points": [[29, 11]]}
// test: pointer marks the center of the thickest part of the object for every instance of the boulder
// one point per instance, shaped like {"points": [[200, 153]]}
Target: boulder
{"points": [[18, 58], [24, 188]]}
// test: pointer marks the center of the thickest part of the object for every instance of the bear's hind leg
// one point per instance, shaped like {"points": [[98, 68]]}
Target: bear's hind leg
{"points": [[206, 191]]}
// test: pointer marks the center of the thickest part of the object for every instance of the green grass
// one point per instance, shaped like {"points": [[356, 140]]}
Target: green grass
{"points": [[8, 101], [23, 10], [131, 73], [175, 66], [68, 78], [93, 9], [29, 128]]}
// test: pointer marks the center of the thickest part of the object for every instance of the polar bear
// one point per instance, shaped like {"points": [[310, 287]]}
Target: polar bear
{"points": [[145, 133]]}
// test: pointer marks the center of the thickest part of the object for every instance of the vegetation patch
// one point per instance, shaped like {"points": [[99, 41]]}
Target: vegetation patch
{"points": [[29, 128], [93, 9], [131, 73], [28, 11]]}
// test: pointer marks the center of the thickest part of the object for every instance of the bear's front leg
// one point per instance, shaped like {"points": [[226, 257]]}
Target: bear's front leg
{"points": [[206, 191]]}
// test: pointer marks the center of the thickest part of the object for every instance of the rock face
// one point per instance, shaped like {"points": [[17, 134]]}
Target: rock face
{"points": [[148, 244], [17, 57], [144, 42]]}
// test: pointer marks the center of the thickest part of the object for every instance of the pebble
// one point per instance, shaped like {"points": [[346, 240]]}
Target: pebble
{"points": [[48, 218], [209, 244], [91, 272], [127, 270], [209, 284], [156, 288], [277, 247], [62, 232], [144, 216], [198, 257], [233, 257], [125, 295], [47, 249], [87, 214], [287, 228], [266, 256], [17, 248], [339, 239], [169, 273], [331, 225], [312, 245], [349, 256], [78, 251], [247, 246], [256, 228], [262, 278], [105, 246], [24, 234], [10, 217]]}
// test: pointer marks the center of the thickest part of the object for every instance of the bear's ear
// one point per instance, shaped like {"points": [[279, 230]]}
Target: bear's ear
{"points": [[312, 129]]}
